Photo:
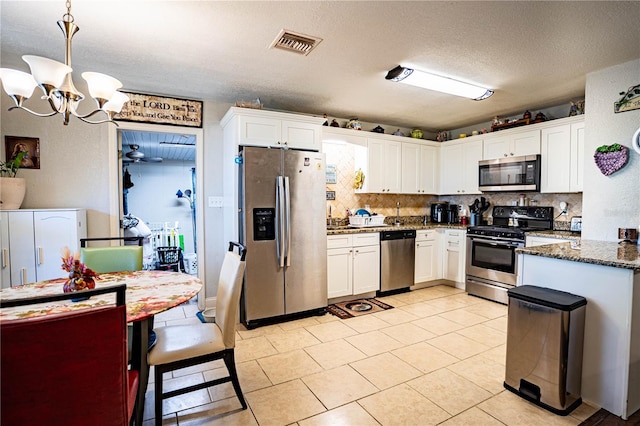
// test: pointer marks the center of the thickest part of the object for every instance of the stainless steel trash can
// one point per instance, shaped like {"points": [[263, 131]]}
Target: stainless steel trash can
{"points": [[545, 333]]}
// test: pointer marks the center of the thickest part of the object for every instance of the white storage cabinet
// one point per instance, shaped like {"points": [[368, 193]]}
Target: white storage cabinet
{"points": [[459, 167], [454, 255], [563, 156], [275, 129], [5, 266], [420, 168], [511, 143], [353, 264], [428, 259], [34, 242], [384, 166]]}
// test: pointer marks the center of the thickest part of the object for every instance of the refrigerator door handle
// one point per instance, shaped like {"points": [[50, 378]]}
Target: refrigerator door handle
{"points": [[287, 227], [280, 225]]}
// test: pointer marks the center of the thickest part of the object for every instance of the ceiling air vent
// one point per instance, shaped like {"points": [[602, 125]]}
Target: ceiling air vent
{"points": [[295, 42]]}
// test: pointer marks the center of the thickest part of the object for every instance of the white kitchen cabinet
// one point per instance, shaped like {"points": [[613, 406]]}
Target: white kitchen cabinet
{"points": [[384, 166], [454, 254], [511, 144], [577, 157], [562, 157], [274, 129], [353, 264], [5, 266], [420, 169], [459, 167], [428, 259], [36, 239]]}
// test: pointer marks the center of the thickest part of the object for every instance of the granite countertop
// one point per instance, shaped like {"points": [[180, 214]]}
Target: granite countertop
{"points": [[339, 230], [560, 234], [605, 253]]}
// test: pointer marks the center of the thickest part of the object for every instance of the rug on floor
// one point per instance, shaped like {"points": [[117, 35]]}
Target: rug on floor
{"points": [[354, 308], [604, 418]]}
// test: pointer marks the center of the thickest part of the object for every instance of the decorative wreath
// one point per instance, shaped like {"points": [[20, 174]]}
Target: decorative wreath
{"points": [[611, 158]]}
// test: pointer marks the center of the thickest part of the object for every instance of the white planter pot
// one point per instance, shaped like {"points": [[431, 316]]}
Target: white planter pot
{"points": [[12, 192]]}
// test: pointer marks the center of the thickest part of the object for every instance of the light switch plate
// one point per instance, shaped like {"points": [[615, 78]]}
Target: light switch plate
{"points": [[215, 201]]}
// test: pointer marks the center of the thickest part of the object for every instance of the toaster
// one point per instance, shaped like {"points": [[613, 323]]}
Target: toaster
{"points": [[576, 224]]}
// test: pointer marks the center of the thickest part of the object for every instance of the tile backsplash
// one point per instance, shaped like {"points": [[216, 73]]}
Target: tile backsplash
{"points": [[342, 157]]}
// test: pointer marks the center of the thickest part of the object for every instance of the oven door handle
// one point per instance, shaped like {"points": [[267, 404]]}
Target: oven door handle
{"points": [[496, 242]]}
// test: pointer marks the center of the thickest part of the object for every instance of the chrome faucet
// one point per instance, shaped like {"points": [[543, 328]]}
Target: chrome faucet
{"points": [[398, 213]]}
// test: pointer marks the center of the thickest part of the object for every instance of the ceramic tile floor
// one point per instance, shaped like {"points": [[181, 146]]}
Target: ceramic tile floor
{"points": [[437, 358]]}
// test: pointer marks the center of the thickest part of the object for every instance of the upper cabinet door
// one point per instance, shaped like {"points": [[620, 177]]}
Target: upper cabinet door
{"points": [[259, 131], [526, 143], [556, 159], [411, 168], [512, 144], [385, 164], [577, 157], [429, 169], [300, 135]]}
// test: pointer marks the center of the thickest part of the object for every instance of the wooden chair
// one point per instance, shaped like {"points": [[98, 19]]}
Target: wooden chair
{"points": [[112, 258], [180, 346], [68, 368]]}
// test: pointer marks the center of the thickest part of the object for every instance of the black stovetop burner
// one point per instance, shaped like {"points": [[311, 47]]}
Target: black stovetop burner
{"points": [[513, 222]]}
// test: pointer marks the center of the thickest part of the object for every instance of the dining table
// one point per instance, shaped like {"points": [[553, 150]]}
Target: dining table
{"points": [[148, 294]]}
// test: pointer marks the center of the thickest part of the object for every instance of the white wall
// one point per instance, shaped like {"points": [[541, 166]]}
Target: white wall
{"points": [[153, 195], [610, 202]]}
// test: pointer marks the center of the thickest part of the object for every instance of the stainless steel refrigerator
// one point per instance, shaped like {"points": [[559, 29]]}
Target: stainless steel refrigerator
{"points": [[282, 222]]}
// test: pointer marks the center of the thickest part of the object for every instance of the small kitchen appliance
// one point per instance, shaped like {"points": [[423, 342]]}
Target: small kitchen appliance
{"points": [[443, 212], [510, 174], [576, 224], [491, 267]]}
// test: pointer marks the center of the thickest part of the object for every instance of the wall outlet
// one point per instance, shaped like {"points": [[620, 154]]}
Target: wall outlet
{"points": [[215, 201]]}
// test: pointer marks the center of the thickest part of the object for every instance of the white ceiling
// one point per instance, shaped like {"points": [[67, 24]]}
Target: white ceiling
{"points": [[534, 54]]}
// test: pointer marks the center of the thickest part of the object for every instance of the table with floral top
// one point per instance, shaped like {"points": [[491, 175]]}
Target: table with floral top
{"points": [[148, 293]]}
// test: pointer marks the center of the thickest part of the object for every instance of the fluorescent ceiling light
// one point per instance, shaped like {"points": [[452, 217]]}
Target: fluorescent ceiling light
{"points": [[435, 82]]}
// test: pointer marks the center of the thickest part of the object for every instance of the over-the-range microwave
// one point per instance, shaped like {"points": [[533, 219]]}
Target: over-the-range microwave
{"points": [[510, 174]]}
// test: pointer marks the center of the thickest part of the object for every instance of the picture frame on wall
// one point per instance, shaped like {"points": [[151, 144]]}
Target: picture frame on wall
{"points": [[16, 144]]}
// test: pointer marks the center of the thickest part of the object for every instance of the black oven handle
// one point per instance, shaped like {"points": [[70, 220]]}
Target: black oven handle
{"points": [[509, 244]]}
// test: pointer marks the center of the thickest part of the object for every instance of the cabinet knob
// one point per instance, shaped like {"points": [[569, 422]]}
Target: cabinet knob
{"points": [[511, 153], [505, 154]]}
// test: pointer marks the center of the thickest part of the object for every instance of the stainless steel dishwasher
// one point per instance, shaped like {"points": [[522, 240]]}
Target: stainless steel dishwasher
{"points": [[397, 259]]}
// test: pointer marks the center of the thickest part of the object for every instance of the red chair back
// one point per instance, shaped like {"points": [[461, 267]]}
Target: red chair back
{"points": [[66, 369]]}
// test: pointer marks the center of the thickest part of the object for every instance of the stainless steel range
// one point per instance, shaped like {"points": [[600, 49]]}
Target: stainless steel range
{"points": [[491, 267]]}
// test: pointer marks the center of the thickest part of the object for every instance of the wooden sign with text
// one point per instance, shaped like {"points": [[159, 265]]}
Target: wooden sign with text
{"points": [[161, 110]]}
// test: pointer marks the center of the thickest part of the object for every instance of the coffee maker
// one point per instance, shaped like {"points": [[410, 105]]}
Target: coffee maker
{"points": [[443, 212]]}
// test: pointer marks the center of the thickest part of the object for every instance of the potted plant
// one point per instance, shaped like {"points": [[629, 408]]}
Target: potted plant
{"points": [[12, 188]]}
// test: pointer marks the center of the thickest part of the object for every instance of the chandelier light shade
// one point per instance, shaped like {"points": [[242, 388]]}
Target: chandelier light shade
{"points": [[54, 79], [438, 83]]}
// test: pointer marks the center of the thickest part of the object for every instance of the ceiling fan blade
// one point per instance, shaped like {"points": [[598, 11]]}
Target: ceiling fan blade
{"points": [[152, 160]]}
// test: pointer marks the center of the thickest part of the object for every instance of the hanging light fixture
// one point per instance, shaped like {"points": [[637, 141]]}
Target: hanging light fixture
{"points": [[438, 83], [54, 78]]}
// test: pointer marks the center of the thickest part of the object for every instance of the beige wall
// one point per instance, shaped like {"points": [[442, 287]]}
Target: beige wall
{"points": [[75, 171], [611, 201]]}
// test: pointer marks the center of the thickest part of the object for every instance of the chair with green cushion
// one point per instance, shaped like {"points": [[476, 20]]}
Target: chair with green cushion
{"points": [[111, 258]]}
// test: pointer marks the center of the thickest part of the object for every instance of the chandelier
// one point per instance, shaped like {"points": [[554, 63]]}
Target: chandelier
{"points": [[54, 78]]}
